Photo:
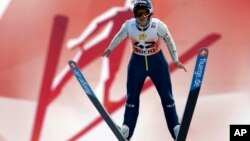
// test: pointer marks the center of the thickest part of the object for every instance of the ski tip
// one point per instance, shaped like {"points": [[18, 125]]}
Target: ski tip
{"points": [[203, 52], [72, 64]]}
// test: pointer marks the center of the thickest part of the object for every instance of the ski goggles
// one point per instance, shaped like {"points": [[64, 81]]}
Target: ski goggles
{"points": [[141, 13]]}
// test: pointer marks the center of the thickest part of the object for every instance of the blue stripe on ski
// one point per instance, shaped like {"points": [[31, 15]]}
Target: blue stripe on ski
{"points": [[199, 68], [86, 87], [193, 93], [83, 82]]}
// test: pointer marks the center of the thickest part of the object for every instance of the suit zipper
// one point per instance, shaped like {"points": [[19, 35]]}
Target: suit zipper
{"points": [[146, 63]]}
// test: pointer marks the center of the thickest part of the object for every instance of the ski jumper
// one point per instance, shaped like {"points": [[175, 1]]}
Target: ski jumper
{"points": [[147, 59]]}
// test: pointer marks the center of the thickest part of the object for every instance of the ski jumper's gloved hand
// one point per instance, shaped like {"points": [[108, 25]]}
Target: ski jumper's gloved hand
{"points": [[180, 65], [106, 53]]}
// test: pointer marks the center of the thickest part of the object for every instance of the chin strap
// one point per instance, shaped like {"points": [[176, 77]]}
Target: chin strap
{"points": [[143, 27]]}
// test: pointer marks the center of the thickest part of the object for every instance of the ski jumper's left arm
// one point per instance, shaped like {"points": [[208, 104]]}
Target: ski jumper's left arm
{"points": [[166, 36]]}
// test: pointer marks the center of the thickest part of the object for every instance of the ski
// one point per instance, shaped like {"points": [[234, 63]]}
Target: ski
{"points": [[198, 74], [86, 87]]}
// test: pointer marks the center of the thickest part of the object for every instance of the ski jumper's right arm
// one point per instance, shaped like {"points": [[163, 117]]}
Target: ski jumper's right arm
{"points": [[120, 36]]}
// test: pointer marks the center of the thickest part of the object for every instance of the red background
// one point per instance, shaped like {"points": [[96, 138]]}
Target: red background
{"points": [[25, 36]]}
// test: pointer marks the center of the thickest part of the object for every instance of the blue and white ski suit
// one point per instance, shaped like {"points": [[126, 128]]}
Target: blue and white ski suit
{"points": [[147, 59]]}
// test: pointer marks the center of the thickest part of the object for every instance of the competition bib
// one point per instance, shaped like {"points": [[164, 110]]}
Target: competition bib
{"points": [[145, 48], [145, 42]]}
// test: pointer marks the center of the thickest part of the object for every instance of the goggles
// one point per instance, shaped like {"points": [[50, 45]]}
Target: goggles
{"points": [[141, 13]]}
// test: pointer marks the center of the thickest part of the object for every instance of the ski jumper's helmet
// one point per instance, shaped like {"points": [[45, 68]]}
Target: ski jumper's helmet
{"points": [[143, 4]]}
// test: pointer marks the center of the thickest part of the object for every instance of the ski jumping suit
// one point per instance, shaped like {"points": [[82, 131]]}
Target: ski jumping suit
{"points": [[147, 59]]}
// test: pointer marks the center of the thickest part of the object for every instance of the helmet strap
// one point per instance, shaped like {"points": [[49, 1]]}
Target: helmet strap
{"points": [[145, 26]]}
